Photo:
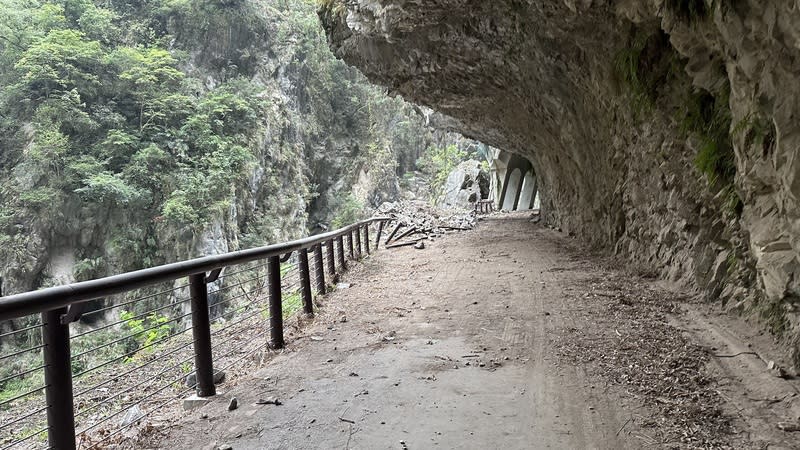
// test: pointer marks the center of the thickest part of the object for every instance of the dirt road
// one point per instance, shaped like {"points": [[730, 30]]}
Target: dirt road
{"points": [[501, 337]]}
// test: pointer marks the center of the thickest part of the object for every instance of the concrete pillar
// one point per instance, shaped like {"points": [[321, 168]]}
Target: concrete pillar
{"points": [[528, 193], [512, 188]]}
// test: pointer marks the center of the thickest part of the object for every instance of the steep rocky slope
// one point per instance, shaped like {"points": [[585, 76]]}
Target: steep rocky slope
{"points": [[662, 129]]}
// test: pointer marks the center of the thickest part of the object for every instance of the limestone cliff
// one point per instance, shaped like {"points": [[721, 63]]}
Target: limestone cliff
{"points": [[665, 130]]}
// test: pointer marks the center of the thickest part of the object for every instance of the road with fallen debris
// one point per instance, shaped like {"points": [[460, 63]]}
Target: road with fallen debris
{"points": [[506, 336]]}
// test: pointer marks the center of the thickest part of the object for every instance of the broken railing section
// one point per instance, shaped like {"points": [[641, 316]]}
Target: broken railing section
{"points": [[152, 337]]}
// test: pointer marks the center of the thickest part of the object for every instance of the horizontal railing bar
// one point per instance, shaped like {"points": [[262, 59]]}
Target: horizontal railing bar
{"points": [[20, 305]]}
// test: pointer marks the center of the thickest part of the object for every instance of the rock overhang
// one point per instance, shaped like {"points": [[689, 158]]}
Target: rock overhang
{"points": [[615, 161]]}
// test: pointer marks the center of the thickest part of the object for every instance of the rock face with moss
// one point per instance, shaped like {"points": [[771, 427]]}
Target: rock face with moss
{"points": [[664, 130]]}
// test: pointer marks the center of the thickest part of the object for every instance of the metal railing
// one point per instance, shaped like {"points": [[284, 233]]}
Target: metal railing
{"points": [[158, 333]]}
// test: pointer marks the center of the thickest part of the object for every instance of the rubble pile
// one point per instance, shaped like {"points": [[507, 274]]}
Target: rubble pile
{"points": [[417, 220], [422, 215]]}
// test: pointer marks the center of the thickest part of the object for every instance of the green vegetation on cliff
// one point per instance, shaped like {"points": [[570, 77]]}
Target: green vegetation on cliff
{"points": [[139, 133]]}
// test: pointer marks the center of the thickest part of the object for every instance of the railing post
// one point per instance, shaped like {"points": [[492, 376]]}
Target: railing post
{"points": [[305, 282], [378, 238], [358, 242], [331, 263], [340, 253], [366, 238], [350, 244], [58, 379], [201, 332], [275, 305], [321, 288]]}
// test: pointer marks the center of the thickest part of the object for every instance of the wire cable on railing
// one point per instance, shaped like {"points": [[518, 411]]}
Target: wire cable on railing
{"points": [[238, 296], [28, 437], [128, 354], [243, 307], [141, 400], [137, 317], [19, 352], [19, 374], [141, 366], [239, 348], [23, 395], [21, 330], [124, 427], [228, 286], [231, 325], [116, 341], [151, 380], [19, 419], [225, 275], [138, 299]]}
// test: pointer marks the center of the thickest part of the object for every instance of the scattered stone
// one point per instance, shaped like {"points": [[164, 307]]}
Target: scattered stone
{"points": [[191, 379], [770, 365], [234, 403], [353, 374], [343, 285], [419, 245], [204, 416], [225, 447], [269, 401], [789, 427], [132, 415], [193, 401], [343, 319]]}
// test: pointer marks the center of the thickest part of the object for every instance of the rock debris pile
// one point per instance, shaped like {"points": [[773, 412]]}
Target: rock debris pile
{"points": [[417, 221]]}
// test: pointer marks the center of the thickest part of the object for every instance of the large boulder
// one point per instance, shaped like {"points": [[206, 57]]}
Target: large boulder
{"points": [[465, 185]]}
